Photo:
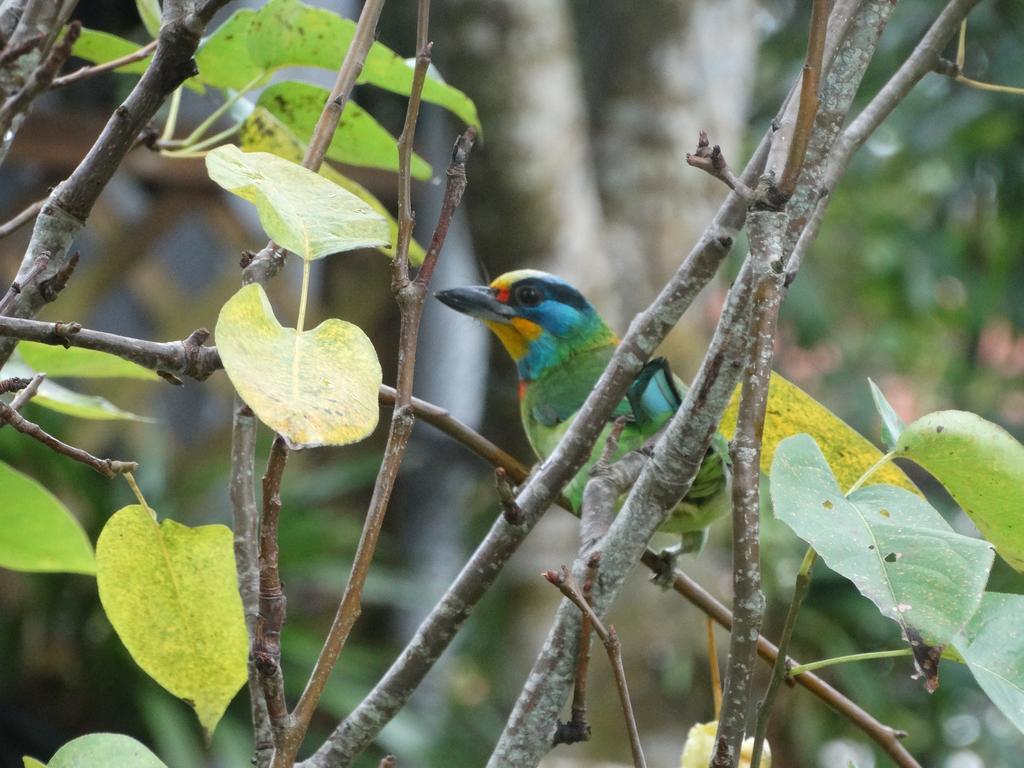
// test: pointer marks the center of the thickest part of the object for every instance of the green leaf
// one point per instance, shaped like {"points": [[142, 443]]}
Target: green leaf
{"points": [[265, 133], [982, 467], [54, 397], [299, 209], [223, 57], [318, 387], [791, 411], [992, 645], [892, 424], [149, 12], [37, 532], [109, 750], [287, 33], [890, 543], [101, 47], [170, 592], [360, 140], [31, 762], [81, 363]]}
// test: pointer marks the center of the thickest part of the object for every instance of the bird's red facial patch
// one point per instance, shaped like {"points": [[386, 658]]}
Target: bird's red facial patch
{"points": [[522, 389], [502, 295]]}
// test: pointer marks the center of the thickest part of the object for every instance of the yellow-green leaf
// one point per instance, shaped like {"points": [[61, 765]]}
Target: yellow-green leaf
{"points": [[299, 209], [318, 387], [81, 363], [791, 411], [982, 467], [359, 140], [263, 132], [700, 743], [37, 532], [149, 12], [223, 57], [31, 762], [101, 750], [171, 594]]}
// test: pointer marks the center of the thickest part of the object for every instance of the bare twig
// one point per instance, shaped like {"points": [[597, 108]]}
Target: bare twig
{"points": [[12, 53], [887, 738], [567, 586], [507, 497], [174, 358], [779, 668], [26, 393], [40, 264], [577, 728], [106, 467], [22, 218], [266, 647], [84, 73], [715, 673], [711, 160], [40, 78]]}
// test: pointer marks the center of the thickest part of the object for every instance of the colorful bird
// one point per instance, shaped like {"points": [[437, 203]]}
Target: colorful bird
{"points": [[560, 346]]}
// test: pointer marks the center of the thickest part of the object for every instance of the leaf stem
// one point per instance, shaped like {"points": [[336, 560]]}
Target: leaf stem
{"points": [[130, 479], [813, 665], [871, 470], [303, 297], [172, 115], [203, 127]]}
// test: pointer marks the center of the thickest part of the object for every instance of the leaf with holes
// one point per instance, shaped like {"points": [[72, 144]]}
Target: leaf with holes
{"points": [[263, 132], [359, 140], [318, 387], [80, 363], [37, 532], [171, 594], [791, 411], [890, 543], [892, 424], [992, 646], [300, 210], [109, 750], [982, 467]]}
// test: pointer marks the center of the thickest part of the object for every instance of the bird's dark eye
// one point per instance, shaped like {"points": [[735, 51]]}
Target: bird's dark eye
{"points": [[528, 296]]}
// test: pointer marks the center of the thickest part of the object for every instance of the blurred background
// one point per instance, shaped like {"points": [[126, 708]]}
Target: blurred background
{"points": [[588, 109]]}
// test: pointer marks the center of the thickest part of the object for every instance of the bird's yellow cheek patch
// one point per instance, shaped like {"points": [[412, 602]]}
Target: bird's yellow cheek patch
{"points": [[516, 337]]}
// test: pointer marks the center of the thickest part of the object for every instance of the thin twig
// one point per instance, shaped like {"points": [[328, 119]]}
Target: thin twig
{"points": [[12, 53], [40, 264], [714, 670], [887, 738], [106, 467], [27, 392], [803, 581], [22, 218], [40, 78], [567, 586], [712, 161], [809, 101], [577, 728], [84, 73], [266, 647]]}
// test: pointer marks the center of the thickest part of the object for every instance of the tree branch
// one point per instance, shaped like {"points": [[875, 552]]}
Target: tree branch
{"points": [[106, 467], [22, 218], [86, 72], [40, 79]]}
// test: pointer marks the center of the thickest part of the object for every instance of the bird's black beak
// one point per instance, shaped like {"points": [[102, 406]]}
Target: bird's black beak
{"points": [[477, 301]]}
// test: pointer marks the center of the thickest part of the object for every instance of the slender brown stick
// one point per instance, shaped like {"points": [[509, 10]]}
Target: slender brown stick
{"points": [[714, 669], [808, 108], [887, 738], [106, 467], [266, 647], [27, 392], [780, 668], [84, 73], [577, 728], [712, 161], [22, 218], [567, 586]]}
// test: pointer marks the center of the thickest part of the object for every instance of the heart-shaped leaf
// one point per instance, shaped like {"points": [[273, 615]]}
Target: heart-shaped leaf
{"points": [[892, 424], [318, 387], [359, 140], [171, 593], [109, 750], [81, 363], [992, 645], [299, 209], [890, 543], [791, 411], [982, 467], [37, 532], [263, 132]]}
